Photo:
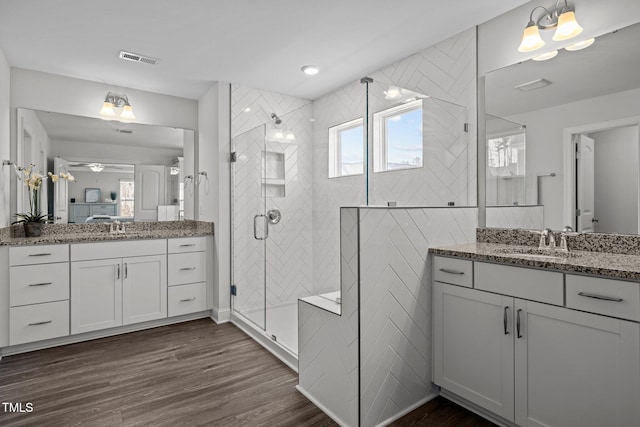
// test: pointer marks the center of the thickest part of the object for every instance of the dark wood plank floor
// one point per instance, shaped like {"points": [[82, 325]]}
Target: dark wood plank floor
{"points": [[190, 374]]}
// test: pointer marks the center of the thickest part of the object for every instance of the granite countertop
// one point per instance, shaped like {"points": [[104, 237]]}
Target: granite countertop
{"points": [[81, 233], [618, 266]]}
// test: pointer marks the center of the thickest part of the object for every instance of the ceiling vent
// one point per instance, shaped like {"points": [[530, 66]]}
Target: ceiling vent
{"points": [[134, 57], [533, 85], [127, 131]]}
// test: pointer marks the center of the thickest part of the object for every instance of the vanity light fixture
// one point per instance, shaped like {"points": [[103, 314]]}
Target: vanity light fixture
{"points": [[310, 70], [113, 101], [563, 19], [580, 45], [96, 167]]}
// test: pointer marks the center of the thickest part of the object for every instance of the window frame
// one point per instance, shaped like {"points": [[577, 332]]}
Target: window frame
{"points": [[122, 199], [380, 143], [335, 148]]}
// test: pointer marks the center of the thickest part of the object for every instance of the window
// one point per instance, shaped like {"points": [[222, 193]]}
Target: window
{"points": [[126, 197], [397, 138], [346, 149], [505, 154]]}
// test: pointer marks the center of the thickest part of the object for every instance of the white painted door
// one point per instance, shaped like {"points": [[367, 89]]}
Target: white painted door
{"points": [[96, 295], [585, 170], [60, 192], [575, 369], [473, 343], [148, 191], [144, 288]]}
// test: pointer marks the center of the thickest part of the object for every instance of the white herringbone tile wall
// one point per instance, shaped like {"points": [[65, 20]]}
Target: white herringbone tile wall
{"points": [[529, 217], [395, 302], [328, 347]]}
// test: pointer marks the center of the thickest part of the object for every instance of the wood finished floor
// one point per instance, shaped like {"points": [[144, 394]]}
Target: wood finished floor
{"points": [[191, 374]]}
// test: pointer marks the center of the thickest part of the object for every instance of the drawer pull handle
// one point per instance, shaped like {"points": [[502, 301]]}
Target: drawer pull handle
{"points": [[518, 323], [42, 254], [446, 270], [188, 299], [602, 297], [504, 320], [40, 323], [41, 284], [187, 245], [187, 268]]}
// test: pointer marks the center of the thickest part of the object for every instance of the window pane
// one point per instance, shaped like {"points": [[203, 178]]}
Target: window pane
{"points": [[404, 140], [352, 153], [126, 198]]}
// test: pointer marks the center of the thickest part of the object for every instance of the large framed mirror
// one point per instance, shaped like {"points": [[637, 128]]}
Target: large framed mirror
{"points": [[123, 171], [563, 139]]}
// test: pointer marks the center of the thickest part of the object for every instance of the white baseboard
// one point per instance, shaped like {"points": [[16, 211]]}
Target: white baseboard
{"points": [[87, 336], [430, 396], [221, 315], [323, 408]]}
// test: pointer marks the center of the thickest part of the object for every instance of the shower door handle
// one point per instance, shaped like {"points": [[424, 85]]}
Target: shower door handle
{"points": [[255, 227]]}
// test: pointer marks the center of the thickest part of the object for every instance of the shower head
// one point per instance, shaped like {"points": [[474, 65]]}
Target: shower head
{"points": [[276, 119]]}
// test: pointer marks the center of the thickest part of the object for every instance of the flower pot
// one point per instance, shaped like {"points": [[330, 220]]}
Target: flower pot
{"points": [[32, 229]]}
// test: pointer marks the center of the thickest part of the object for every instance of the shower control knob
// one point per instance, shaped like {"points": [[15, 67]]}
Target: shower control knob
{"points": [[274, 216]]}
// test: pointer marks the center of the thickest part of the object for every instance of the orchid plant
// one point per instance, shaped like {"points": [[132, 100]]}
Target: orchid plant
{"points": [[33, 181]]}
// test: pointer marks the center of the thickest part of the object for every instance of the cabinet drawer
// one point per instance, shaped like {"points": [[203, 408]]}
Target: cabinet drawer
{"points": [[185, 299], [453, 270], [38, 322], [103, 210], [186, 244], [123, 249], [610, 297], [38, 254], [187, 268], [38, 283], [526, 283]]}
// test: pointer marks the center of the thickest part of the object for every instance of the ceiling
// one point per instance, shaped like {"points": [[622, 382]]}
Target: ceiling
{"points": [[68, 128], [260, 44], [610, 65]]}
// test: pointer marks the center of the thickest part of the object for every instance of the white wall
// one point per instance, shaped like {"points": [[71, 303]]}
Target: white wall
{"points": [[5, 145], [105, 181], [617, 165], [213, 193], [35, 152], [545, 143]]}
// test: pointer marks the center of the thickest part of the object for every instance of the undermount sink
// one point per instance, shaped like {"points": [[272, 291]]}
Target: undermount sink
{"points": [[538, 253]]}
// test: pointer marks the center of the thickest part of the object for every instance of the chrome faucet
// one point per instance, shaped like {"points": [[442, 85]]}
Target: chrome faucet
{"points": [[544, 234]]}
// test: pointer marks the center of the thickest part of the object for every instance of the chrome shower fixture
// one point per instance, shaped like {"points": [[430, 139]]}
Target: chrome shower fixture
{"points": [[277, 120]]}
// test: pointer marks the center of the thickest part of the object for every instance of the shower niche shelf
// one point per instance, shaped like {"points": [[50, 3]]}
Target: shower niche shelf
{"points": [[273, 181]]}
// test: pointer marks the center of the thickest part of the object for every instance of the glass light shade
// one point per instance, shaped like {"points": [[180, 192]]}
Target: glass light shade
{"points": [[310, 70], [567, 26], [278, 134], [531, 39], [290, 136], [546, 56], [580, 45], [127, 113], [107, 110]]}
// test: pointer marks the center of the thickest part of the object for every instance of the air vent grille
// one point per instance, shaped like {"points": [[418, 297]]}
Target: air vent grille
{"points": [[134, 57], [128, 131], [533, 85]]}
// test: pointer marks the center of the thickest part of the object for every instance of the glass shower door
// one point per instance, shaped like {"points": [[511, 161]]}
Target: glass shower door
{"points": [[249, 226]]}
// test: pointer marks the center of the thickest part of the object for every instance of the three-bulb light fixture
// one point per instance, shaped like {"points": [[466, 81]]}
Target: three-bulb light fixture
{"points": [[563, 19], [115, 101]]}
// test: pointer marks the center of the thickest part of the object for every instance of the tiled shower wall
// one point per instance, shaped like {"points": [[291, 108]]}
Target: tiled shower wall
{"points": [[307, 257], [288, 249]]}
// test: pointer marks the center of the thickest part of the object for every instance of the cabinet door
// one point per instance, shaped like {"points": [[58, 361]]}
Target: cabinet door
{"points": [[96, 295], [575, 369], [473, 346], [144, 291]]}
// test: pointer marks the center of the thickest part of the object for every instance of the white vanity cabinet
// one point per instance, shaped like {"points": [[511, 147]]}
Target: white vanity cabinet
{"points": [[537, 363], [117, 283], [187, 275]]}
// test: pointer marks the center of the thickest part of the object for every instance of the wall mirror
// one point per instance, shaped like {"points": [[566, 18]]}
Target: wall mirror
{"points": [[562, 138], [123, 171]]}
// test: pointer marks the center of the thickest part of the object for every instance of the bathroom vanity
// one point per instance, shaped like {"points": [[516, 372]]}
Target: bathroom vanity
{"points": [[66, 287], [531, 337]]}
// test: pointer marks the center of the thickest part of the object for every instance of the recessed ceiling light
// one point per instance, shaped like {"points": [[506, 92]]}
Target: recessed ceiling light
{"points": [[580, 45], [546, 56], [310, 70]]}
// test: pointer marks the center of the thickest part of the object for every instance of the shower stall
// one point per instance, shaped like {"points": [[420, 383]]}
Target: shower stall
{"points": [[296, 162]]}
